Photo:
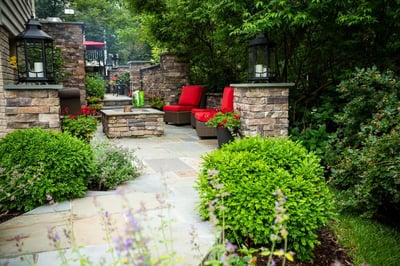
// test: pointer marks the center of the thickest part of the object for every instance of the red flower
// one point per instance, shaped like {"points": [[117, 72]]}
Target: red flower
{"points": [[236, 117], [71, 116], [225, 121]]}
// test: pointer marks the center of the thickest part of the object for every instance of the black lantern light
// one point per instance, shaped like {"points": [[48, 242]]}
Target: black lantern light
{"points": [[262, 59], [35, 54]]}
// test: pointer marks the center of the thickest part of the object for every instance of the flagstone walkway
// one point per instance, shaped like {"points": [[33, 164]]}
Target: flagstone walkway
{"points": [[162, 200]]}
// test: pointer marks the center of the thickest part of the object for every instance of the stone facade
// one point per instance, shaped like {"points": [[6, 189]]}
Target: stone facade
{"points": [[69, 37], [263, 108], [165, 79], [32, 106], [137, 123]]}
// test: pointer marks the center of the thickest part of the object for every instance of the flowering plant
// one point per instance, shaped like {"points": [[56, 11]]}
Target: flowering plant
{"points": [[155, 101], [230, 120], [13, 62], [81, 125]]}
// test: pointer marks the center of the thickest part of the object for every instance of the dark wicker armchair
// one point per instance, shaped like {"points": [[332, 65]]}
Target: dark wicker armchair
{"points": [[179, 114]]}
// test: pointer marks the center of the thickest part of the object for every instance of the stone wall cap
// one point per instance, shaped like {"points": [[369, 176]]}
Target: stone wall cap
{"points": [[33, 87], [134, 111], [262, 85]]}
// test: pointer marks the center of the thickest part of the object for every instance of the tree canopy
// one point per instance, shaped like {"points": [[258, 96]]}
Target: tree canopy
{"points": [[319, 42], [104, 20]]}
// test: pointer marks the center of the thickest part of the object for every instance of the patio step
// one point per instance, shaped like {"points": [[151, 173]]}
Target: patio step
{"points": [[116, 101]]}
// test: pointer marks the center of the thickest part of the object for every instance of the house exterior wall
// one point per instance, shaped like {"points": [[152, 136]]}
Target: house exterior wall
{"points": [[13, 16]]}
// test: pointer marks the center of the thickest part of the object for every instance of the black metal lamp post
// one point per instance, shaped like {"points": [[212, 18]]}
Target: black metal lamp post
{"points": [[35, 54], [262, 60]]}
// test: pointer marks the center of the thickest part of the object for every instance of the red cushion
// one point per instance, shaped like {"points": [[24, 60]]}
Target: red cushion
{"points": [[191, 95], [178, 108], [227, 100], [204, 116], [195, 110]]}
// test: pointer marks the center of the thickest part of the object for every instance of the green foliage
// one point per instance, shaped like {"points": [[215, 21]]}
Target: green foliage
{"points": [[156, 101], [81, 125], [37, 164], [95, 86], [249, 171], [59, 73], [367, 241], [230, 120], [364, 153], [115, 166]]}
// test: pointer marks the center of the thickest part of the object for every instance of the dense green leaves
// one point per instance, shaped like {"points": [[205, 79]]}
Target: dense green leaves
{"points": [[37, 163], [364, 154], [237, 184]]}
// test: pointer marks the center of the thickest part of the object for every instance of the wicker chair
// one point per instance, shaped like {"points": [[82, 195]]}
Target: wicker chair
{"points": [[179, 114], [201, 116]]}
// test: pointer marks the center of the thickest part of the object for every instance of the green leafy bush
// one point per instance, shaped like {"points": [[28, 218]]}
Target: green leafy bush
{"points": [[37, 163], [95, 86], [248, 172], [81, 125], [115, 165], [364, 154]]}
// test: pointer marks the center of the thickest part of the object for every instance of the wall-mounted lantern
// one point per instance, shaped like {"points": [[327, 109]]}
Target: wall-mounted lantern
{"points": [[35, 54], [262, 59]]}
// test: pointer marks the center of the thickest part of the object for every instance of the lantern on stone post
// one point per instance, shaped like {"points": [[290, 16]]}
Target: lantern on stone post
{"points": [[262, 60], [35, 54]]}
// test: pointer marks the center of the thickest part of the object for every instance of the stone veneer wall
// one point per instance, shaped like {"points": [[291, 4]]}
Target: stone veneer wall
{"points": [[69, 37], [28, 106], [167, 78], [263, 108]]}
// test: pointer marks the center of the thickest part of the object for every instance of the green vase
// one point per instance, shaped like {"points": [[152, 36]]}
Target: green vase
{"points": [[141, 98]]}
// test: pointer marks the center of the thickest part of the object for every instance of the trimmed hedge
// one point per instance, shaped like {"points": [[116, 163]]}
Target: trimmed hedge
{"points": [[37, 163], [240, 179]]}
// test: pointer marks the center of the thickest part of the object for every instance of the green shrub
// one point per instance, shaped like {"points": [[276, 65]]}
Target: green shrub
{"points": [[115, 165], [248, 172], [364, 154], [81, 125], [95, 86], [36, 163]]}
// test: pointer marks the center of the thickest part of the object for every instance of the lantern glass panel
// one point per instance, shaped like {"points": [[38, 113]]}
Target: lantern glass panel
{"points": [[35, 54]]}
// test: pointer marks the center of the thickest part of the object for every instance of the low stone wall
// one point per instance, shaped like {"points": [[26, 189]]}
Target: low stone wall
{"points": [[137, 123]]}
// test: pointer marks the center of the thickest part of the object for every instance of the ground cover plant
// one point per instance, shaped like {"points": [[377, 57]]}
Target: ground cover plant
{"points": [[36, 163], [81, 125], [248, 171], [114, 166]]}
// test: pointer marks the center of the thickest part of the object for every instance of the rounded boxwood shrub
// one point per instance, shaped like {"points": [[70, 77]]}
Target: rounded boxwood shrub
{"points": [[38, 165], [240, 179]]}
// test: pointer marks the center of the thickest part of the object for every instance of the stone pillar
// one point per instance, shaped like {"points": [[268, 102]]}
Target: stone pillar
{"points": [[263, 108], [28, 106]]}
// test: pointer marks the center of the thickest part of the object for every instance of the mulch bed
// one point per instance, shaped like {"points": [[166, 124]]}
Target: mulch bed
{"points": [[328, 253]]}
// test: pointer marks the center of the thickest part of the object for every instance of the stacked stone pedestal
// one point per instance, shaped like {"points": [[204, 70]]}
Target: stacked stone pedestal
{"points": [[263, 108]]}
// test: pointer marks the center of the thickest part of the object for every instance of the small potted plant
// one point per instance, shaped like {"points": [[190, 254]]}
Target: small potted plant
{"points": [[227, 124], [156, 101]]}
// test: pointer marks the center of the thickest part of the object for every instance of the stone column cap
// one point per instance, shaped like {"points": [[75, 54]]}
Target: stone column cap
{"points": [[262, 85]]}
